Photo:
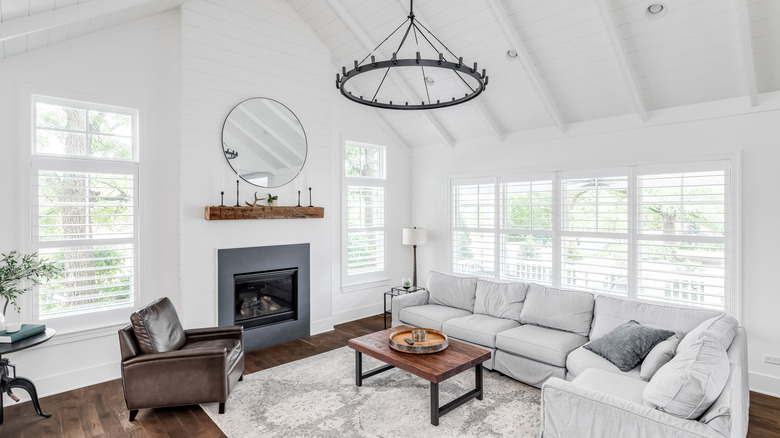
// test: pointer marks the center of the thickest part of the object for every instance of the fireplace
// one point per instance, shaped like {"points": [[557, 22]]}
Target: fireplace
{"points": [[265, 289], [266, 297]]}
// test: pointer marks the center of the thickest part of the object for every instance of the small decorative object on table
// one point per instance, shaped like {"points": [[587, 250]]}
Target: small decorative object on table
{"points": [[254, 204], [15, 271], [431, 341], [394, 292], [272, 200], [406, 283]]}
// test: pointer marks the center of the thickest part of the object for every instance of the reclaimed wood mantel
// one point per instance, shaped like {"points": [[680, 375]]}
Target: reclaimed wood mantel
{"points": [[263, 212]]}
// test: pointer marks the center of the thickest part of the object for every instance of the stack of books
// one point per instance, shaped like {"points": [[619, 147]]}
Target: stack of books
{"points": [[26, 331]]}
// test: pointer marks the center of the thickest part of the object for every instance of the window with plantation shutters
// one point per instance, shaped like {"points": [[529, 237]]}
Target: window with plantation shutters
{"points": [[364, 179], [682, 229], [654, 233], [85, 205], [474, 226]]}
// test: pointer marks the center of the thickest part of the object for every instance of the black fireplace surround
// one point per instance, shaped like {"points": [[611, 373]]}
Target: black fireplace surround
{"points": [[266, 290]]}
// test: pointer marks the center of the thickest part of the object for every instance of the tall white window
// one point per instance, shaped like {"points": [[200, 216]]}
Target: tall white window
{"points": [[658, 233], [85, 205], [365, 185]]}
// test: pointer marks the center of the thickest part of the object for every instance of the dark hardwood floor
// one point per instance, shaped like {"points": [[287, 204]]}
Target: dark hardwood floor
{"points": [[99, 410]]}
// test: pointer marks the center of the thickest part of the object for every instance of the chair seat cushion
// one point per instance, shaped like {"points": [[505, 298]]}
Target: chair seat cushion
{"points": [[621, 386], [581, 359], [478, 329], [430, 315], [233, 347], [542, 344]]}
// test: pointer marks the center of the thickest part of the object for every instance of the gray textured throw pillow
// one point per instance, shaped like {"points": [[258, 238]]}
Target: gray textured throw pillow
{"points": [[627, 345]]}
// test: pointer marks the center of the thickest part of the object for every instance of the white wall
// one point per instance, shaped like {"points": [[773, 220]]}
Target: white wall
{"points": [[134, 65], [233, 50], [697, 131]]}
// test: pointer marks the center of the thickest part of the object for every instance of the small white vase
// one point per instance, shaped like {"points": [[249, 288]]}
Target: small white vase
{"points": [[2, 322]]}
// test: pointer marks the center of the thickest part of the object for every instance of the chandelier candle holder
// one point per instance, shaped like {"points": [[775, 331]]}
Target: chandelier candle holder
{"points": [[475, 80]]}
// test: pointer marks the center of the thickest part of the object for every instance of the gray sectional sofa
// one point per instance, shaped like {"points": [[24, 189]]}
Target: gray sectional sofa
{"points": [[538, 335]]}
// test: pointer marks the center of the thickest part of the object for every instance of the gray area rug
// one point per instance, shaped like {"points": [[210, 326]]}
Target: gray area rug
{"points": [[317, 397]]}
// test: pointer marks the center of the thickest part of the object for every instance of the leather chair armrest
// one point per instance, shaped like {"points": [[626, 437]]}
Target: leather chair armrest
{"points": [[211, 333], [196, 353]]}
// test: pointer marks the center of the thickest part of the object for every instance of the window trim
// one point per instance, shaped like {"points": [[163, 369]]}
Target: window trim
{"points": [[353, 283], [732, 238], [33, 162]]}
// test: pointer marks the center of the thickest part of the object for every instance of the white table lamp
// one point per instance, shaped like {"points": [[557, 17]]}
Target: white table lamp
{"points": [[415, 236]]}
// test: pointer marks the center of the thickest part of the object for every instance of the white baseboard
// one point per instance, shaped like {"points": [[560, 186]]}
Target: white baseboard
{"points": [[769, 385], [359, 313], [69, 381]]}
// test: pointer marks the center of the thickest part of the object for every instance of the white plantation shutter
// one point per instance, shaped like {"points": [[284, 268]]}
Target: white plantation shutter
{"points": [[473, 226], [365, 209], [527, 230], [85, 207], [682, 254], [594, 232]]}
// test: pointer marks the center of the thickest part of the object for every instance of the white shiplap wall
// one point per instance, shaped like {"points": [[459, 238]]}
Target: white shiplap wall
{"points": [[233, 50]]}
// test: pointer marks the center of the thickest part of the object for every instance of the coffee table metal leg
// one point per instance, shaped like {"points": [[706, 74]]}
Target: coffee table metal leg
{"points": [[435, 404], [437, 411], [360, 375]]}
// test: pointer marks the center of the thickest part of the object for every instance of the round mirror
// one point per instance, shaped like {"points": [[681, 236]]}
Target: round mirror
{"points": [[264, 142]]}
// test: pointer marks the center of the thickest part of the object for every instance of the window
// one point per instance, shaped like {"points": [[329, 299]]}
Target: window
{"points": [[85, 205], [658, 233], [364, 178]]}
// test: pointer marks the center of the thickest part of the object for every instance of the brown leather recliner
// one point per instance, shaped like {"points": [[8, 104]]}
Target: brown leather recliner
{"points": [[165, 365]]}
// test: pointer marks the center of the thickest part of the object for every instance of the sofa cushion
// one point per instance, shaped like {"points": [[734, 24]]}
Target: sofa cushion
{"points": [[687, 385], [628, 344], [430, 315], [567, 310], [542, 344], [157, 327], [581, 359], [610, 312], [452, 291], [659, 356], [619, 385], [722, 328], [502, 300], [478, 329]]}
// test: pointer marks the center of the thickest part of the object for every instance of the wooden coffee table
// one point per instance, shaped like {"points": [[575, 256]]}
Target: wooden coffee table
{"points": [[435, 368]]}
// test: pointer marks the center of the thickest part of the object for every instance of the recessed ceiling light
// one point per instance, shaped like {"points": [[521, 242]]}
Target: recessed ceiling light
{"points": [[511, 53], [655, 10]]}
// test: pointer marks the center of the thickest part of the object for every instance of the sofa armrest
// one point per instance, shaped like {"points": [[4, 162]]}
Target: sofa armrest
{"points": [[211, 333], [407, 300], [570, 410]]}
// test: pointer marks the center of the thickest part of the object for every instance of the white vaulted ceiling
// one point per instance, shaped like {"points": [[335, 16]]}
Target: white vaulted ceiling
{"points": [[578, 60]]}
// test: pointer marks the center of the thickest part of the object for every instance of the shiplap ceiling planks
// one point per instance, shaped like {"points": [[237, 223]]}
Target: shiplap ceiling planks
{"points": [[578, 60]]}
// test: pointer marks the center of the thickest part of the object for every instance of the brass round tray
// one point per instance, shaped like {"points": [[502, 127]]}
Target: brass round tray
{"points": [[435, 342]]}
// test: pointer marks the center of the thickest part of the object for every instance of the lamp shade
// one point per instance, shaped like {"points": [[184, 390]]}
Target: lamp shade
{"points": [[414, 236]]}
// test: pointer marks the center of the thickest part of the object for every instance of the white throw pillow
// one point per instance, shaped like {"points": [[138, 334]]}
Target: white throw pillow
{"points": [[688, 385], [722, 328], [659, 356], [561, 309]]}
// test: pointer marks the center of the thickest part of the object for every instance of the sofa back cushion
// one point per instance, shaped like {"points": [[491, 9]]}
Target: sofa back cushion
{"points": [[157, 327], [502, 300], [611, 312], [567, 310], [688, 385], [452, 291]]}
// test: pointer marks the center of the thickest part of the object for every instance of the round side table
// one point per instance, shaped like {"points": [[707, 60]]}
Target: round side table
{"points": [[7, 382]]}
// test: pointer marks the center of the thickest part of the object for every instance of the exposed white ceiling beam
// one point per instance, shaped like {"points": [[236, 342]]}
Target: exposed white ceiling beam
{"points": [[502, 16], [400, 142], [620, 53], [478, 106], [747, 51], [272, 132], [70, 14], [361, 35]]}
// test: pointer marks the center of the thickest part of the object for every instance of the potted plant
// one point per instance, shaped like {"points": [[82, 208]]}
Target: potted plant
{"points": [[272, 199], [18, 274]]}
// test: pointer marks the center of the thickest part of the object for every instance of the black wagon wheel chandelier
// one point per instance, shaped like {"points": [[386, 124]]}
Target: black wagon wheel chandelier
{"points": [[415, 28]]}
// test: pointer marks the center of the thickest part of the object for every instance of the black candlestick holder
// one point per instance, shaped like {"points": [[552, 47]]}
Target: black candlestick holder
{"points": [[310, 205], [238, 203], [222, 198], [299, 198]]}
